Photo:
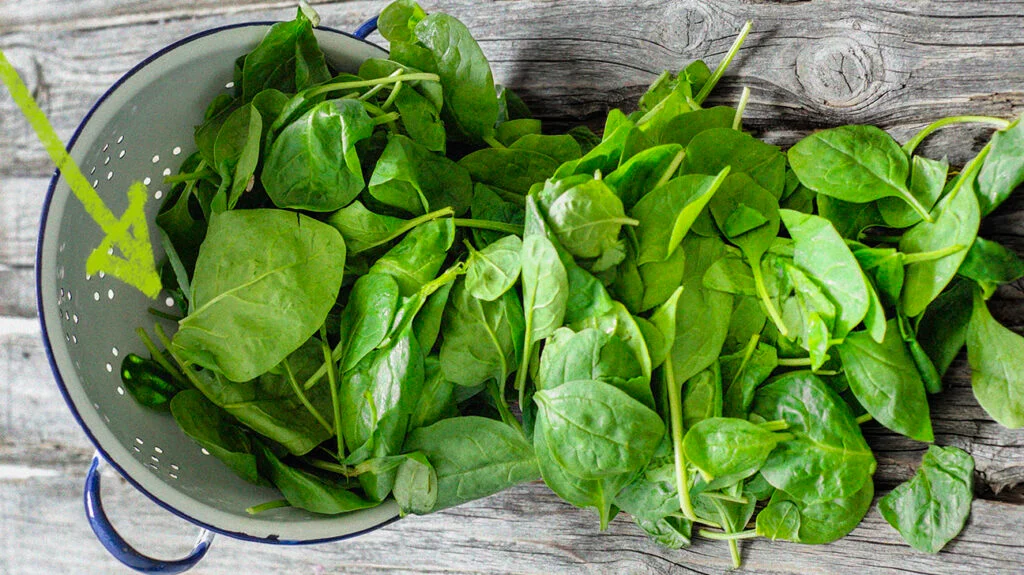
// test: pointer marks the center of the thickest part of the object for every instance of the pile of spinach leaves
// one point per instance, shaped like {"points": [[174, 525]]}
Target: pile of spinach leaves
{"points": [[693, 324]]}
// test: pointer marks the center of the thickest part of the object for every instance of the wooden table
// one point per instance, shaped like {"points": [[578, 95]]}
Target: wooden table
{"points": [[809, 64]]}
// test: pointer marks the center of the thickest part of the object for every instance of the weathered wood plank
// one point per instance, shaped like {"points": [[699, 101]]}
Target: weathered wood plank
{"points": [[523, 530]]}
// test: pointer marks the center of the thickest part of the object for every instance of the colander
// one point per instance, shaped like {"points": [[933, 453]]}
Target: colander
{"points": [[141, 129]]}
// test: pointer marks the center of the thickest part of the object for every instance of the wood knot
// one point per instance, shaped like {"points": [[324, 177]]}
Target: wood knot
{"points": [[840, 71], [685, 28]]}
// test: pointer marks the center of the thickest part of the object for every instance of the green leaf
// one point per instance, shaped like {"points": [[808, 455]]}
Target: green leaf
{"points": [[993, 351], [313, 164], [702, 396], [828, 457], [237, 150], [495, 269], [594, 355], [437, 400], [545, 283], [885, 380], [666, 214], [942, 331], [814, 523], [587, 219], [683, 128], [991, 264], [410, 177], [482, 339], [638, 175], [362, 228], [473, 457], [367, 317], [562, 148], [619, 323], [511, 169], [931, 508], [311, 492], [418, 257], [956, 224], [249, 258], [214, 430], [728, 447], [416, 485], [1003, 169], [745, 377], [595, 430], [927, 180], [287, 59], [398, 20], [711, 150]]}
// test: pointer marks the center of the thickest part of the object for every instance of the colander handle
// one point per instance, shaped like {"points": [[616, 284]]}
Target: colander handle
{"points": [[366, 28], [120, 548]]}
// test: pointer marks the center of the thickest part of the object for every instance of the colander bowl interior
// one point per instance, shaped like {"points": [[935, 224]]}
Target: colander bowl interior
{"points": [[142, 129]]}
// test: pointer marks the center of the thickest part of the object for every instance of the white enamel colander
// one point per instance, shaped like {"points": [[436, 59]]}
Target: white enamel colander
{"points": [[141, 129]]}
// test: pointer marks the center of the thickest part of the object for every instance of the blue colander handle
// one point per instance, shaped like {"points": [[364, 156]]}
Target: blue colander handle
{"points": [[120, 548], [366, 28]]}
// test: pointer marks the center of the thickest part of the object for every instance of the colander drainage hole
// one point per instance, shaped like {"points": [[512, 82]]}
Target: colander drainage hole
{"points": [[139, 441], [120, 391], [114, 351]]}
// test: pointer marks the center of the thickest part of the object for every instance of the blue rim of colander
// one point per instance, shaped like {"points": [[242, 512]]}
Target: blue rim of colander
{"points": [[360, 34]]}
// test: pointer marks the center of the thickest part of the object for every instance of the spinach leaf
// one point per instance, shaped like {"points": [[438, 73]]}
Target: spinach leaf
{"points": [[437, 399], [488, 205], [664, 321], [955, 224], [828, 457], [236, 150], [595, 430], [312, 164], [931, 508], [416, 485], [744, 372], [991, 350], [418, 257], [311, 492], [587, 219], [287, 59], [509, 131], [562, 148], [149, 384], [728, 447], [426, 323], [711, 150], [990, 265], [410, 177], [469, 95], [249, 258], [511, 169], [482, 339], [666, 214], [885, 380], [214, 430], [594, 355], [473, 457], [855, 164], [814, 523], [682, 129], [702, 396], [927, 180], [398, 20], [362, 228], [1003, 169], [942, 331], [367, 317], [822, 253], [495, 269], [849, 219], [620, 323], [642, 172]]}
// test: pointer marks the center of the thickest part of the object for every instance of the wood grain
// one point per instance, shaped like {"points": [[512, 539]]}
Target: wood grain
{"points": [[810, 64]]}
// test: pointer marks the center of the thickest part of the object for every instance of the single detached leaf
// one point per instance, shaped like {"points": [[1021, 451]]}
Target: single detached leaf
{"points": [[1003, 169], [931, 508], [994, 352]]}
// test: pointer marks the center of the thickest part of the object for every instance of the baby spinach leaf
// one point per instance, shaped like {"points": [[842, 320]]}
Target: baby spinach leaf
{"points": [[488, 205], [638, 175], [595, 430], [606, 156], [885, 380], [313, 164], [512, 169], [666, 214], [594, 355], [942, 331], [849, 219], [750, 371], [1003, 169], [619, 323], [509, 131], [473, 457], [214, 430], [469, 95], [237, 150], [823, 254], [545, 284], [437, 400], [362, 228], [728, 447], [587, 219], [990, 265], [855, 164], [416, 485], [660, 279], [398, 20], [710, 151], [992, 350], [682, 129], [828, 457], [419, 256], [664, 321], [287, 59], [927, 180], [299, 268], [410, 177], [311, 492], [702, 316], [702, 396], [482, 339], [149, 384], [955, 224], [495, 269], [931, 508], [562, 148], [367, 317], [813, 523]]}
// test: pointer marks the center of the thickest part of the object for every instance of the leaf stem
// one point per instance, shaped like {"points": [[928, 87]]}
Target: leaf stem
{"points": [[724, 497], [385, 119], [675, 406], [374, 90], [338, 86], [748, 353], [762, 291], [968, 172], [794, 361], [774, 425], [332, 378], [200, 173], [158, 356], [391, 97], [864, 419], [489, 225], [913, 258], [409, 225], [275, 504], [303, 399], [914, 142], [737, 120], [163, 315], [720, 69], [671, 171], [718, 536], [493, 142], [506, 414], [916, 204]]}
